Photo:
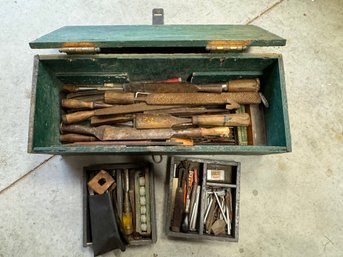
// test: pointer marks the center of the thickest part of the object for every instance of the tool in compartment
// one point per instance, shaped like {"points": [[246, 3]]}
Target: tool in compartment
{"points": [[77, 104], [114, 110], [243, 85], [107, 133], [101, 182], [189, 185], [219, 211], [179, 206], [127, 210], [231, 99], [172, 86], [162, 120], [151, 121]]}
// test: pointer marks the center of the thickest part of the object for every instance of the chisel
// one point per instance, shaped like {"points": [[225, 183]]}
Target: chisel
{"points": [[183, 99], [154, 121], [107, 133], [242, 85], [114, 110]]}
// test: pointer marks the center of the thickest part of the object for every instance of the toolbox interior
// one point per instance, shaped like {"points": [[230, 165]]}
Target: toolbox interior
{"points": [[51, 72]]}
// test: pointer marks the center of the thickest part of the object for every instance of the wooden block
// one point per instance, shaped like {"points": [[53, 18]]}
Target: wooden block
{"points": [[218, 227], [101, 182]]}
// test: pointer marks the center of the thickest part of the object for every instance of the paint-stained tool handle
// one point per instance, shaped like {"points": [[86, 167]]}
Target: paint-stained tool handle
{"points": [[243, 85], [239, 119], [77, 104], [71, 138]]}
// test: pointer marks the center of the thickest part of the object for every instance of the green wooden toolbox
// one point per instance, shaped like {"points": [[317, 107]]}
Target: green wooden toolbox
{"points": [[121, 54]]}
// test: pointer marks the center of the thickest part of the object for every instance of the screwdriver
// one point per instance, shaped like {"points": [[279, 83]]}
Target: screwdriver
{"points": [[127, 210]]}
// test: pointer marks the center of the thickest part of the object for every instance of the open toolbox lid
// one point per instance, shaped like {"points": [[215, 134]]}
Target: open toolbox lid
{"points": [[209, 37]]}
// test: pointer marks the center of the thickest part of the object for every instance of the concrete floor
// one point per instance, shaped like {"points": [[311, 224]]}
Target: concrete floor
{"points": [[291, 204]]}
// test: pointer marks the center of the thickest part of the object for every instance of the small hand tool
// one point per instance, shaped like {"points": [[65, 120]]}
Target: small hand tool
{"points": [[184, 99], [151, 121], [179, 198], [77, 104], [243, 85], [72, 137], [127, 211], [185, 222], [108, 133], [114, 110]]}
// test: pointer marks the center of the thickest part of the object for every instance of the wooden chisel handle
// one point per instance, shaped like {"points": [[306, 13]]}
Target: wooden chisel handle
{"points": [[111, 97], [203, 132], [77, 104], [243, 85], [210, 88], [78, 129], [239, 119], [71, 138], [77, 116]]}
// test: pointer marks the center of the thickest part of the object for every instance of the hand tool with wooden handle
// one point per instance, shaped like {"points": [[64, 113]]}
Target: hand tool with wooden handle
{"points": [[183, 99], [131, 142], [170, 87], [77, 104], [243, 85], [114, 110], [153, 87], [185, 221], [127, 210], [179, 201], [107, 133], [71, 138], [107, 120], [187, 111], [150, 121]]}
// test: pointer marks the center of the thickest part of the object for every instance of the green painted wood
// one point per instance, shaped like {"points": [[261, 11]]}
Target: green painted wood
{"points": [[46, 112], [156, 36]]}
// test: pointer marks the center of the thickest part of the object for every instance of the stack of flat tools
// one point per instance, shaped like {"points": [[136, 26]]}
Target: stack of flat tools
{"points": [[156, 113]]}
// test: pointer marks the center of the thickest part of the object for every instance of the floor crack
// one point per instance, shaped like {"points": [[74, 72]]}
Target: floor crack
{"points": [[264, 12], [27, 174]]}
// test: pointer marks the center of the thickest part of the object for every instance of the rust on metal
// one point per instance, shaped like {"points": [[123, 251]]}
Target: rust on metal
{"points": [[78, 44]]}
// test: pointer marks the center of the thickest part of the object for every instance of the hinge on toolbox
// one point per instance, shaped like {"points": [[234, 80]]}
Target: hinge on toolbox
{"points": [[227, 45], [80, 50]]}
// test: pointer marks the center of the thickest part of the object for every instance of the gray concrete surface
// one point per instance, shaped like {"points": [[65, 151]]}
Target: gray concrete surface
{"points": [[291, 204]]}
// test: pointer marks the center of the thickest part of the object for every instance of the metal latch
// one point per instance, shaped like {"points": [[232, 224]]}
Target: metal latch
{"points": [[157, 16], [227, 45], [80, 50]]}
